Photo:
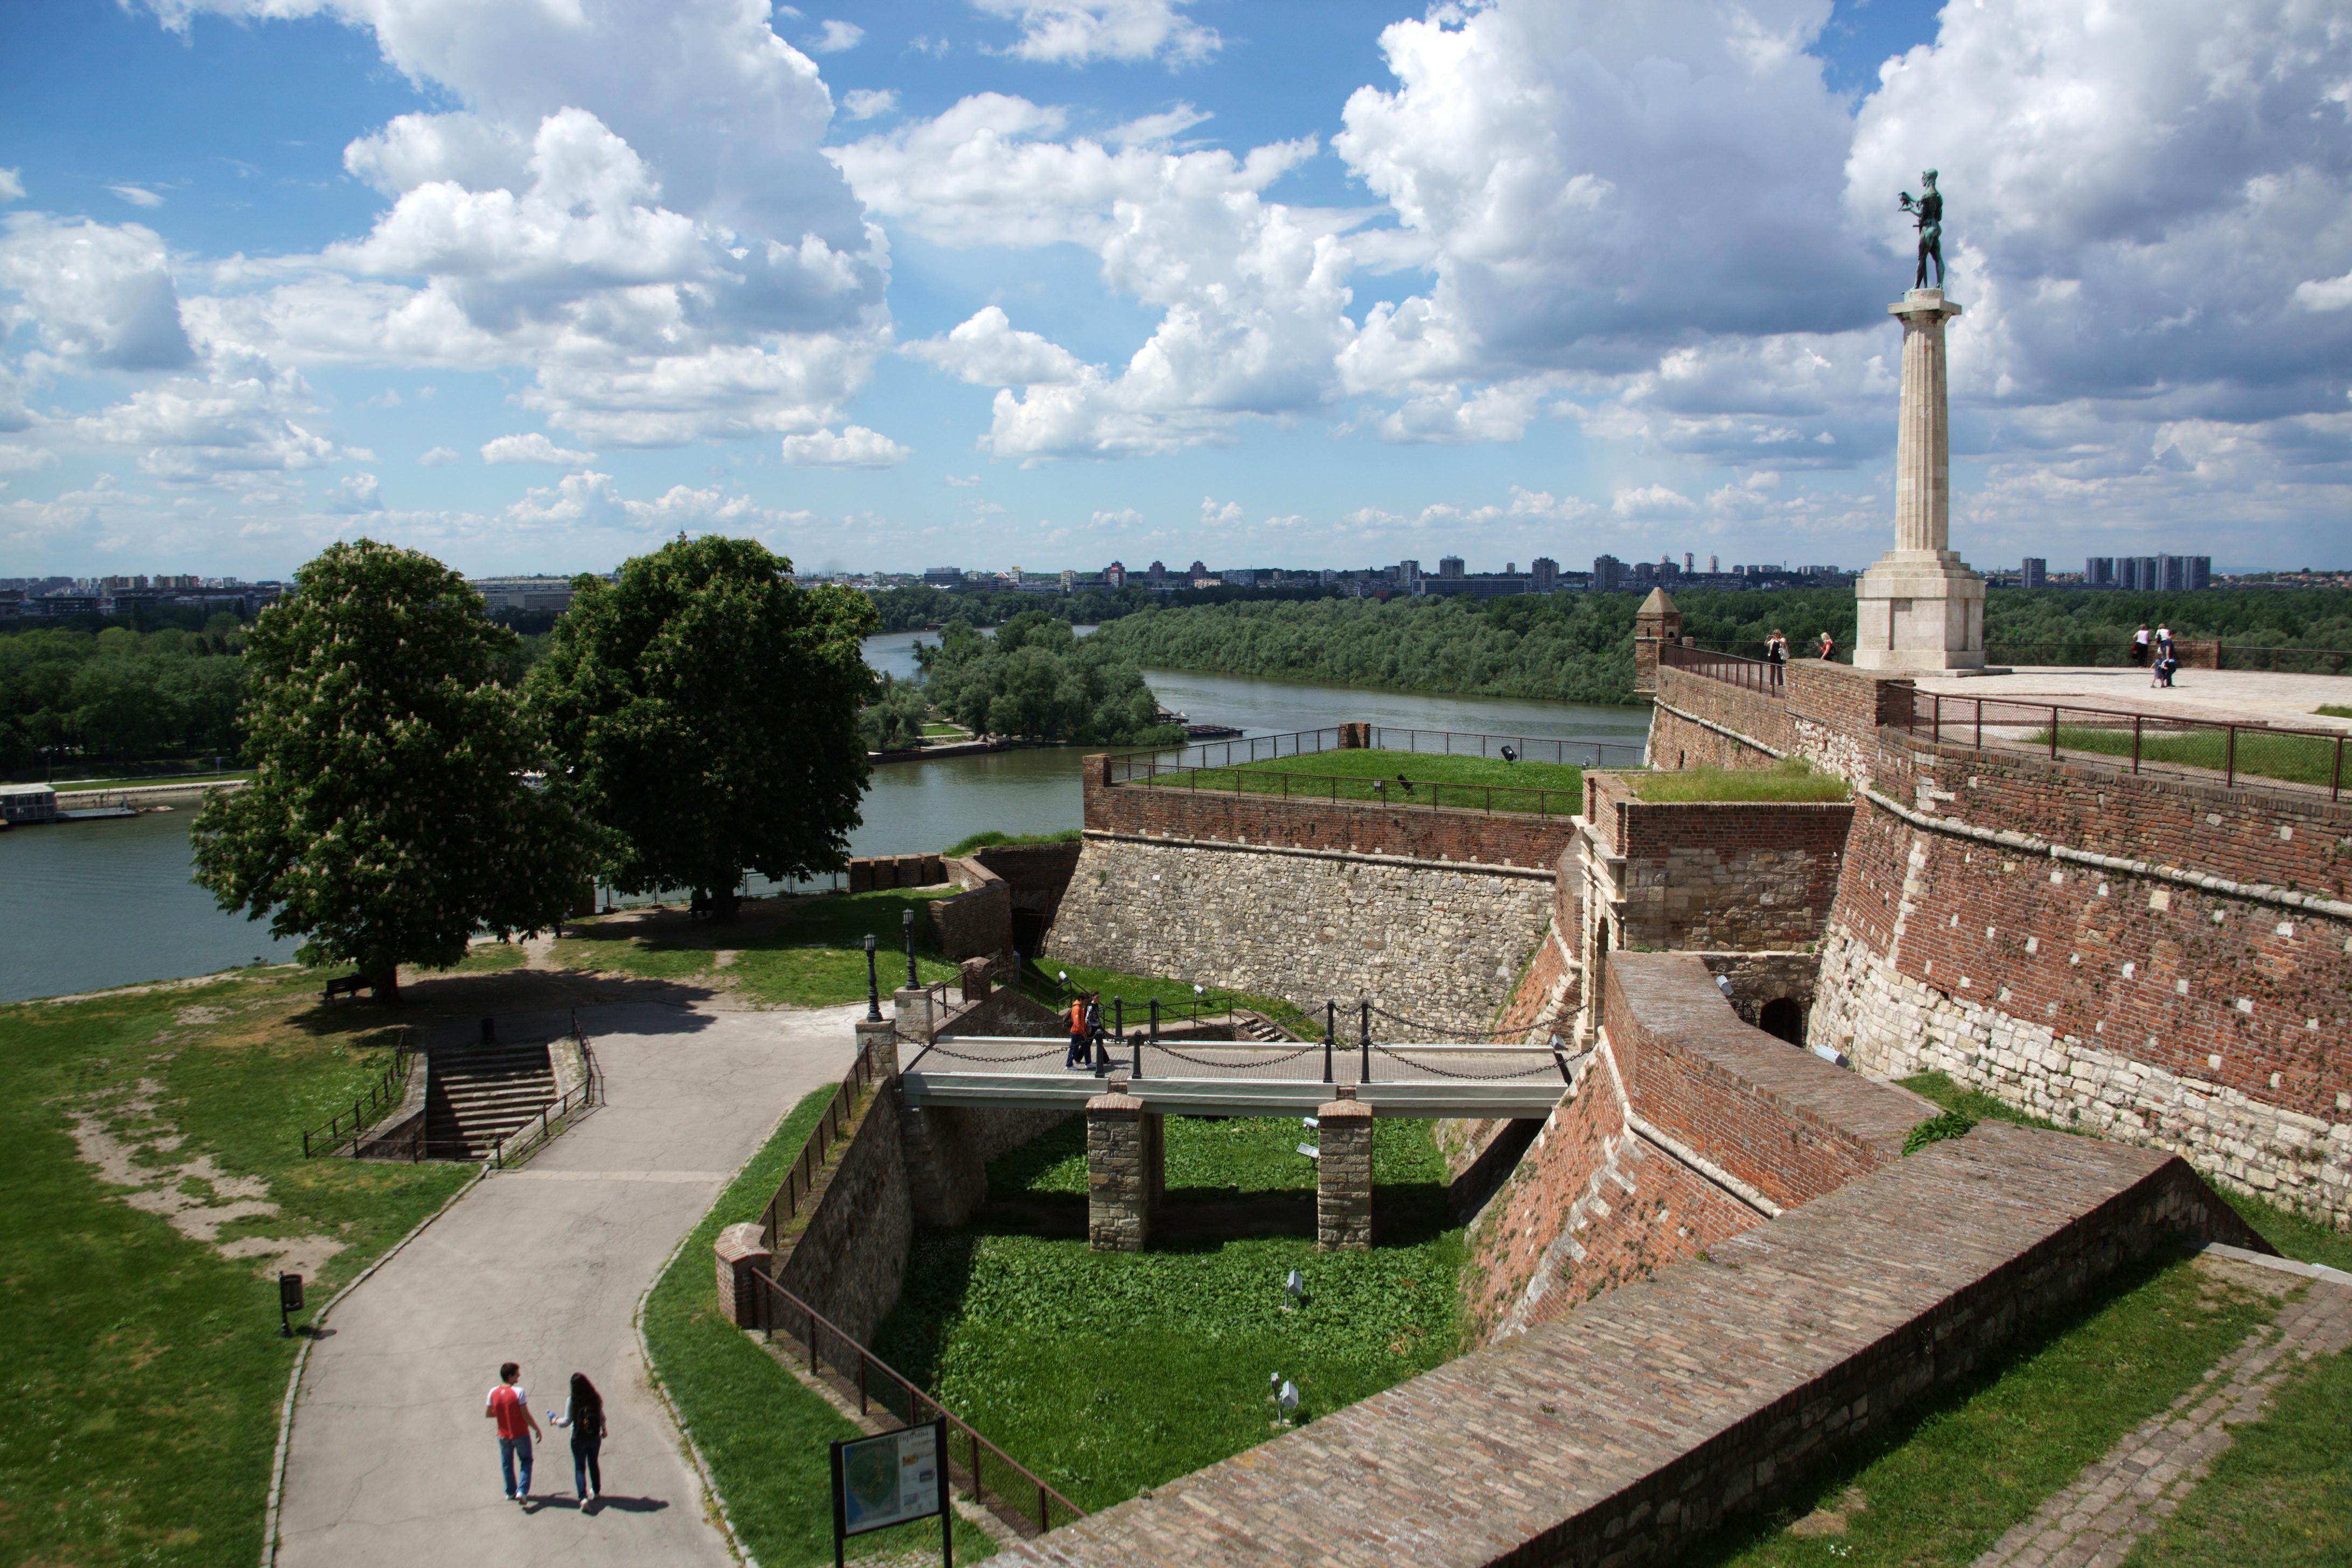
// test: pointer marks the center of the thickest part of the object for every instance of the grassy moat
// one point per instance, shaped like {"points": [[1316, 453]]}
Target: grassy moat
{"points": [[1109, 1372]]}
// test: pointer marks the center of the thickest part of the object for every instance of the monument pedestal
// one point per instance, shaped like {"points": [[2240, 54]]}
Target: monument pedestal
{"points": [[1919, 607]]}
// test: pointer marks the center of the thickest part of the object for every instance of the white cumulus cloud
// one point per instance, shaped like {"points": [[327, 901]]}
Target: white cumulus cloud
{"points": [[988, 350], [835, 36], [94, 292], [12, 185], [532, 448], [869, 102], [854, 448], [438, 457], [1073, 32]]}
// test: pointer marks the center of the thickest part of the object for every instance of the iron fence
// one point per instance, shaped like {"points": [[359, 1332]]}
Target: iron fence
{"points": [[1756, 674], [1128, 767], [342, 1134], [993, 1478], [799, 1177], [2177, 745]]}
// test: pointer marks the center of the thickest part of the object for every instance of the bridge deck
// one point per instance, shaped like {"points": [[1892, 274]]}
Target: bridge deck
{"points": [[1241, 1078]]}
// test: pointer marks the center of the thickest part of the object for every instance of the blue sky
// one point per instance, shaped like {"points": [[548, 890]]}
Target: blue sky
{"points": [[1046, 282]]}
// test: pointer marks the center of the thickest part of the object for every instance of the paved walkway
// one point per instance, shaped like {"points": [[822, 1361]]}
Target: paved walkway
{"points": [[2210, 695], [391, 1462], [2095, 1521]]}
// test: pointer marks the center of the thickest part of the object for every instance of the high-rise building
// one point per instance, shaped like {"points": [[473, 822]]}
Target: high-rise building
{"points": [[1449, 566], [1608, 575], [1545, 572], [1408, 576], [1116, 574], [1689, 566], [2201, 574], [1711, 567], [2034, 573], [2098, 572], [1159, 573]]}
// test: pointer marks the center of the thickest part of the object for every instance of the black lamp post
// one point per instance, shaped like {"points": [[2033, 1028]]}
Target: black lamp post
{"points": [[911, 978], [873, 986]]}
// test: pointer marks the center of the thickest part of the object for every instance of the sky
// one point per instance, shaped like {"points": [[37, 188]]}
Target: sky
{"points": [[1043, 283]]}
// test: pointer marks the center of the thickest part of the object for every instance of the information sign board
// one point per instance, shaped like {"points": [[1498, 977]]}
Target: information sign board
{"points": [[895, 1479]]}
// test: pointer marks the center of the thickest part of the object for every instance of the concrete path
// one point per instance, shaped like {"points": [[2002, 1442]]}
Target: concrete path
{"points": [[2095, 1521], [2217, 696], [391, 1461]]}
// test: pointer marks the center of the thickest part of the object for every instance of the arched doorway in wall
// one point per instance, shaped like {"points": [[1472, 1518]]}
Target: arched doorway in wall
{"points": [[1783, 1016]]}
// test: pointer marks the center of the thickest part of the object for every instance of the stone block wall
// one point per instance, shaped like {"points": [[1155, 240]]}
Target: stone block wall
{"points": [[1754, 979], [1125, 1172], [1038, 874], [871, 873], [1343, 1177], [1408, 832], [1432, 941], [845, 1253], [977, 922]]}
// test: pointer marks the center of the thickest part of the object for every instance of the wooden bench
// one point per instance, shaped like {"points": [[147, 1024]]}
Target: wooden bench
{"points": [[348, 985]]}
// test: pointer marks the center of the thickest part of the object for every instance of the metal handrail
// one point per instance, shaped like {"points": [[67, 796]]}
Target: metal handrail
{"points": [[800, 1176], [1755, 674], [875, 1381], [332, 1138], [1937, 715], [1126, 766]]}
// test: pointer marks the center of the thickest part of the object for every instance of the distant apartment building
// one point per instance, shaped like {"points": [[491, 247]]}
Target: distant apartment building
{"points": [[1158, 575], [1409, 576], [1115, 574], [2034, 573], [1449, 566], [1544, 574], [2149, 573], [1608, 575], [2098, 572], [942, 576]]}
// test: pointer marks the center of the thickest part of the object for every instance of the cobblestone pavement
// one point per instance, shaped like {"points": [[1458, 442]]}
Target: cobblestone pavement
{"points": [[2095, 1521]]}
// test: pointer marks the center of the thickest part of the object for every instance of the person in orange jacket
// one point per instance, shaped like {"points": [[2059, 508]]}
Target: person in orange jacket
{"points": [[1080, 1054]]}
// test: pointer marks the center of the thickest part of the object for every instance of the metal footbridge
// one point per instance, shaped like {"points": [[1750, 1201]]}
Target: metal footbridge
{"points": [[1240, 1077]]}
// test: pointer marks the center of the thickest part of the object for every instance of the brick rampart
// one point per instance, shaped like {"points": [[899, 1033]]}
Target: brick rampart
{"points": [[1688, 702], [846, 1256], [1709, 1395], [1410, 832]]}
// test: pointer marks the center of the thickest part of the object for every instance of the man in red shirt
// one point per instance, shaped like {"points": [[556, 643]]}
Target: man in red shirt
{"points": [[510, 1406]]}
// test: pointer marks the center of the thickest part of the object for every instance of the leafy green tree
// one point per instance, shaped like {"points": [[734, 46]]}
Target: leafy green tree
{"points": [[389, 817], [1036, 678], [706, 709]]}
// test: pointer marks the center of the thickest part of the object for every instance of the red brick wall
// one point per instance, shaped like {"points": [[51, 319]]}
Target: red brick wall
{"points": [[1752, 713], [1720, 874], [1783, 1120], [1677, 743], [1420, 833]]}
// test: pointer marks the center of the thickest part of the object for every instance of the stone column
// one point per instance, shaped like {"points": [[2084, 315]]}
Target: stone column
{"points": [[1125, 1173], [1343, 1177], [883, 1037], [1919, 607], [740, 1250]]}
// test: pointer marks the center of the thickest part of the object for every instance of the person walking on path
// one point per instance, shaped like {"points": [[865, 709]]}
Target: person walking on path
{"points": [[509, 1405], [2139, 645], [585, 1414], [1078, 1036]]}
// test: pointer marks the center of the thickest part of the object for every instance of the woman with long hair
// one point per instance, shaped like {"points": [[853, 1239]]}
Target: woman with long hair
{"points": [[585, 1414]]}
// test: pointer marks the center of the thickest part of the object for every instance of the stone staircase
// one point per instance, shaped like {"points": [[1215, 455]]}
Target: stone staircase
{"points": [[1248, 1026], [478, 1094]]}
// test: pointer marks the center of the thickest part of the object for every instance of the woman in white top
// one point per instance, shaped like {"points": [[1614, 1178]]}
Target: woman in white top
{"points": [[585, 1414]]}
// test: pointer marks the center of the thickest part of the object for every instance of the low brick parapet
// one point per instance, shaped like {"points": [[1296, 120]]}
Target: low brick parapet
{"points": [[740, 1250], [1668, 1408]]}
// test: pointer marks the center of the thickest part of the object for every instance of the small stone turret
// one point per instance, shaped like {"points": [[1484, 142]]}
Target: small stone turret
{"points": [[1658, 621]]}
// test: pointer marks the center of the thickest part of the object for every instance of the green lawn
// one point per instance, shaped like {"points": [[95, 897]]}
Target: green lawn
{"points": [[1782, 782], [2298, 759], [990, 838], [2278, 1496], [1941, 1490], [1108, 1372], [800, 952], [140, 1410], [762, 1433], [1478, 784]]}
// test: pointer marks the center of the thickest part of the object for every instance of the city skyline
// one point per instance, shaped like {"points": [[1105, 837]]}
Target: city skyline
{"points": [[1082, 280]]}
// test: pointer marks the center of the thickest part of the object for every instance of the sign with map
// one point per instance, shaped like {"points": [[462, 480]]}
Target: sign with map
{"points": [[895, 1479]]}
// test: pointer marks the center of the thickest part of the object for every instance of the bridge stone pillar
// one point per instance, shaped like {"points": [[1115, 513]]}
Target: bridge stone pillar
{"points": [[884, 1037], [1343, 1181], [1126, 1172]]}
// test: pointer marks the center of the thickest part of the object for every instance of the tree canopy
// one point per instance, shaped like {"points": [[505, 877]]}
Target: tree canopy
{"points": [[1037, 680], [389, 817], [705, 709]]}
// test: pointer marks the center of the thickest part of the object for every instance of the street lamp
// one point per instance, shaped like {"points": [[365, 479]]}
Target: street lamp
{"points": [[911, 978], [873, 986]]}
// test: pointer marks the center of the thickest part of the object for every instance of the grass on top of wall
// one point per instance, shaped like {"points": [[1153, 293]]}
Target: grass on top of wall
{"points": [[140, 1410], [2295, 1236], [1941, 1488], [788, 952], [2308, 759], [2332, 710], [1108, 1372], [1476, 784], [990, 838], [763, 1432], [1787, 779]]}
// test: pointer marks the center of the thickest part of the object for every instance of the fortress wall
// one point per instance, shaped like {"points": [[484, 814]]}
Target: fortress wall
{"points": [[1443, 943], [1687, 726], [1719, 875], [1515, 838]]}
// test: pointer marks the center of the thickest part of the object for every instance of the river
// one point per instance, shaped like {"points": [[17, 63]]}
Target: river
{"points": [[94, 904]]}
